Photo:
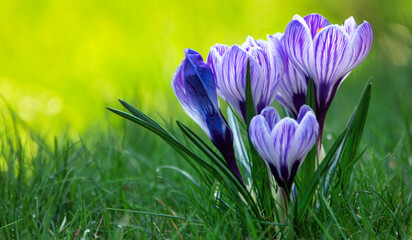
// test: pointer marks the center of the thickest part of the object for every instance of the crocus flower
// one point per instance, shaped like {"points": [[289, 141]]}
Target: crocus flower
{"points": [[327, 53], [266, 68], [284, 143], [194, 85], [293, 84]]}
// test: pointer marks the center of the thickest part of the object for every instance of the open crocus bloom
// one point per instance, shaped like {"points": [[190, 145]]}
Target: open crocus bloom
{"points": [[284, 143], [327, 53], [194, 86], [292, 86], [266, 68]]}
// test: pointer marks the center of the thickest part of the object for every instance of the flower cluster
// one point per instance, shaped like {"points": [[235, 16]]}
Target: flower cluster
{"points": [[280, 68]]}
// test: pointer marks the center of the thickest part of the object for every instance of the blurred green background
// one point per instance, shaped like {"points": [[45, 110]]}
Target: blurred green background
{"points": [[62, 62]]}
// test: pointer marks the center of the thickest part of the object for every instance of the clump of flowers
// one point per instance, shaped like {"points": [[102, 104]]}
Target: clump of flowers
{"points": [[302, 69]]}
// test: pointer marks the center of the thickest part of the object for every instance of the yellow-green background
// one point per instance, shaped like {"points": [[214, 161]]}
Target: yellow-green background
{"points": [[62, 62]]}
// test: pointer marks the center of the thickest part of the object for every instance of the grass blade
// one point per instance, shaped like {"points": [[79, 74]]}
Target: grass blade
{"points": [[260, 174], [354, 135], [240, 149], [303, 203], [229, 175], [172, 141]]}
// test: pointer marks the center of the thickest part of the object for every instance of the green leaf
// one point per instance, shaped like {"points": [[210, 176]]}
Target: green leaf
{"points": [[309, 165], [305, 201], [219, 162], [148, 123], [310, 95], [286, 112], [260, 174], [240, 149], [250, 105], [354, 135]]}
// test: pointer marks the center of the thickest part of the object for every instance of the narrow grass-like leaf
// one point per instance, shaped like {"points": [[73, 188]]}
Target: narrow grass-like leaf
{"points": [[303, 203], [210, 153], [240, 149], [153, 214], [250, 105], [309, 165], [286, 112], [354, 135], [219, 162], [310, 95], [333, 217], [325, 231], [260, 174], [172, 141]]}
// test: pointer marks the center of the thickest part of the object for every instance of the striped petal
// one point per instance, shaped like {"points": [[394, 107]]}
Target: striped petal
{"points": [[271, 116], [361, 44], [260, 137], [282, 135], [193, 84], [307, 132], [298, 44], [316, 22], [350, 26], [215, 56], [332, 54], [292, 86]]}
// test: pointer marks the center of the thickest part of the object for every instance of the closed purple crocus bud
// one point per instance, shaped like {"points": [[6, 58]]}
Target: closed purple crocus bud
{"points": [[194, 87], [327, 53], [266, 68], [284, 143]]}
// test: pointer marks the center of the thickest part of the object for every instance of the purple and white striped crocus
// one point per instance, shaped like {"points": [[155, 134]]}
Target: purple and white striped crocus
{"points": [[284, 143], [327, 53], [266, 68], [293, 84], [194, 86]]}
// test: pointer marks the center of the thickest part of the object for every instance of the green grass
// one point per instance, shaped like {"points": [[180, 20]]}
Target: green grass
{"points": [[122, 182]]}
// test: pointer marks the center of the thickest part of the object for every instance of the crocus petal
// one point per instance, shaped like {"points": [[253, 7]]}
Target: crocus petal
{"points": [[282, 134], [202, 76], [193, 84], [350, 26], [332, 54], [260, 137], [306, 133], [271, 116], [178, 85], [249, 43], [316, 23], [277, 54], [261, 87], [298, 44], [292, 86], [361, 43], [215, 55]]}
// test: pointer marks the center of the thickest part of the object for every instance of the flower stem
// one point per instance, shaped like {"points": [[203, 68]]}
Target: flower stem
{"points": [[283, 197]]}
